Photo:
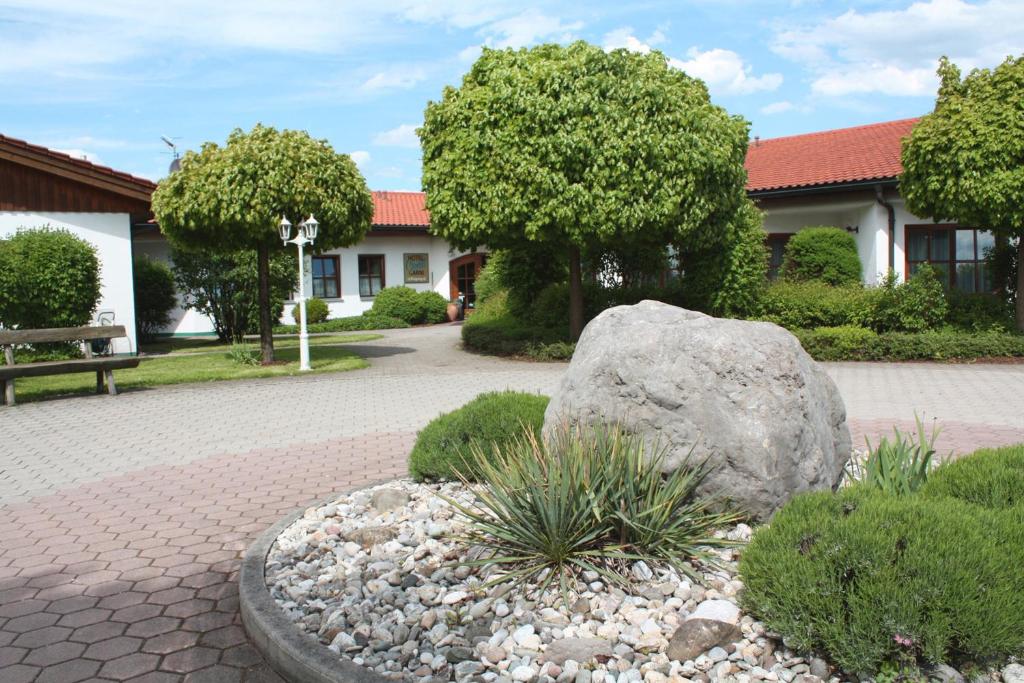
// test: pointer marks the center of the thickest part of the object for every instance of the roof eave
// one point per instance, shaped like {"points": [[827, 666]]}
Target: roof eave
{"points": [[849, 186]]}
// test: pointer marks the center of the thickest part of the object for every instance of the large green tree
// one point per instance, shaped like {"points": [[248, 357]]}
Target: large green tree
{"points": [[231, 198], [964, 162], [572, 149]]}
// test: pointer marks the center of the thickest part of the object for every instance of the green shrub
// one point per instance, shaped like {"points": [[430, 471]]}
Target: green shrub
{"points": [[913, 306], [554, 351], [48, 278], [587, 500], [155, 296], [316, 309], [845, 574], [488, 281], [901, 466], [806, 305], [991, 477], [433, 307], [980, 312], [241, 353], [505, 335], [851, 344], [729, 279], [824, 254], [354, 323], [398, 302], [443, 447]]}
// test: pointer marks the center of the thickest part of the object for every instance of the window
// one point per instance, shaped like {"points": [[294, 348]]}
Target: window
{"points": [[957, 253], [776, 244], [326, 277], [371, 274]]}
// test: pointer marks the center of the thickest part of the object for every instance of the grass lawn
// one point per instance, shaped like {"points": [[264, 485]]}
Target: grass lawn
{"points": [[190, 366], [201, 344]]}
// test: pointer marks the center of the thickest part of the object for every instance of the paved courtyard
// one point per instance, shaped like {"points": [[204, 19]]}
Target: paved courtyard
{"points": [[122, 520]]}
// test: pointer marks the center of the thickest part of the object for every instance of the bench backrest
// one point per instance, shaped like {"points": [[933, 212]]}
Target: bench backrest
{"points": [[61, 334]]}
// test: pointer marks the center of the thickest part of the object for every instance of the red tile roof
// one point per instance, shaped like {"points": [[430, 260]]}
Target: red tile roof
{"points": [[15, 143], [827, 158], [400, 209]]}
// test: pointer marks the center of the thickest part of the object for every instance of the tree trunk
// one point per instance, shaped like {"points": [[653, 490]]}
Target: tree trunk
{"points": [[1020, 283], [266, 325], [575, 294]]}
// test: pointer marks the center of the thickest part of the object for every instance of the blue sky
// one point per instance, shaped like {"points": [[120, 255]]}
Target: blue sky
{"points": [[106, 79]]}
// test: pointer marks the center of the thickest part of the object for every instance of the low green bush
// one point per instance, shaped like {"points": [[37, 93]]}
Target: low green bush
{"points": [[398, 302], [845, 343], [433, 307], [443, 447], [823, 254], [316, 309], [991, 477], [354, 323], [916, 305], [847, 574], [980, 312], [587, 499], [505, 335], [807, 305]]}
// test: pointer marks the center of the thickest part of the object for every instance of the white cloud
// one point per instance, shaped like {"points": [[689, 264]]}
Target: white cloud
{"points": [[400, 136], [624, 38], [361, 158], [394, 77], [527, 28], [725, 72], [895, 52], [468, 55], [777, 107]]}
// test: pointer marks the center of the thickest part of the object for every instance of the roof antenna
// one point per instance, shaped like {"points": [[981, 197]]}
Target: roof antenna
{"points": [[176, 161]]}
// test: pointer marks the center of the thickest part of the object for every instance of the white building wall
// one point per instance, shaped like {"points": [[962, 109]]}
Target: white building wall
{"points": [[110, 233], [393, 248]]}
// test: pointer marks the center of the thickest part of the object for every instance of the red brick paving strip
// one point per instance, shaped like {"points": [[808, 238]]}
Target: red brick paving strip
{"points": [[134, 577]]}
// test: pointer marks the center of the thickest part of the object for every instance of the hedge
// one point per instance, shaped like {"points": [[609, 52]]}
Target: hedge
{"points": [[355, 323], [155, 295], [806, 305], [860, 344], [446, 444], [845, 574]]}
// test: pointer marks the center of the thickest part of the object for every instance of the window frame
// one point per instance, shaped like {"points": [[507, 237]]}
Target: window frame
{"points": [[784, 237], [951, 261], [383, 274], [336, 277]]}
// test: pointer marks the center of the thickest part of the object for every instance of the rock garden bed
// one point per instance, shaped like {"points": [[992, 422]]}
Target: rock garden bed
{"points": [[377, 577]]}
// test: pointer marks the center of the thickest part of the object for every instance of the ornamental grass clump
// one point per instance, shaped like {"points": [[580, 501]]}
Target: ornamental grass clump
{"points": [[901, 466], [587, 499]]}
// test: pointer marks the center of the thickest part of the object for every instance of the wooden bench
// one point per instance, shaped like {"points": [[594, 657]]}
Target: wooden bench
{"points": [[103, 366]]}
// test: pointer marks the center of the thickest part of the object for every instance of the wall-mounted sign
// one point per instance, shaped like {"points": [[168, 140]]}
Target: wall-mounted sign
{"points": [[417, 268]]}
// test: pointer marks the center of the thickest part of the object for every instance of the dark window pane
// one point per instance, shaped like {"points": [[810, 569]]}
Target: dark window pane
{"points": [[917, 246], [984, 276], [940, 245], [965, 245], [318, 288], [318, 267], [942, 271], [364, 287], [965, 277], [986, 241]]}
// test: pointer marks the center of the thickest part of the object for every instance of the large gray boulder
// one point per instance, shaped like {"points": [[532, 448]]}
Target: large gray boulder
{"points": [[743, 394]]}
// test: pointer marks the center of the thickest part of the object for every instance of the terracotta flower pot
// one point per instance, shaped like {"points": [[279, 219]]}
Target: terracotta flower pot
{"points": [[452, 312]]}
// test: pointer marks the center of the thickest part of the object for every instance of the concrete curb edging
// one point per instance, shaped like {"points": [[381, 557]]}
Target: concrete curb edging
{"points": [[298, 657]]}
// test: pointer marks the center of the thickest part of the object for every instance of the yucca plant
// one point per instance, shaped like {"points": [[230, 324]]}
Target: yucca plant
{"points": [[588, 499], [901, 466]]}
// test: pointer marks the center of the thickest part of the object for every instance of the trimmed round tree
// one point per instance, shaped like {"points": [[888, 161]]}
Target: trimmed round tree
{"points": [[574, 148], [964, 162], [231, 198]]}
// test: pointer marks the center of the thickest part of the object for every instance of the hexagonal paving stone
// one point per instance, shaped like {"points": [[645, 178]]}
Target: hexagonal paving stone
{"points": [[129, 666], [85, 617], [153, 627], [190, 659], [113, 648], [189, 608], [98, 632], [170, 642], [31, 622], [215, 674], [207, 621], [74, 604], [225, 637], [20, 673], [156, 583], [124, 599], [56, 653], [136, 613], [107, 588], [69, 672], [20, 609], [43, 636], [13, 655], [171, 596], [160, 677], [242, 656]]}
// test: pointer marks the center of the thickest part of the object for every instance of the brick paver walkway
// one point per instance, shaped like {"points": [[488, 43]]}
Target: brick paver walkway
{"points": [[122, 520]]}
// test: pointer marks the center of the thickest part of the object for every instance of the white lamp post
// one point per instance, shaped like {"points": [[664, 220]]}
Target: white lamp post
{"points": [[307, 233]]}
